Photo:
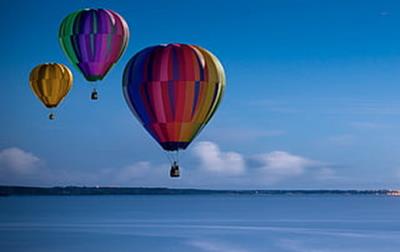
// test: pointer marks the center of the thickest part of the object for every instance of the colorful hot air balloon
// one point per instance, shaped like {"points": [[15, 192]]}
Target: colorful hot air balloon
{"points": [[94, 40], [173, 90], [51, 82]]}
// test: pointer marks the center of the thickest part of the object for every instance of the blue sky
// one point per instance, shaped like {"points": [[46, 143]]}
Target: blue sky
{"points": [[312, 98]]}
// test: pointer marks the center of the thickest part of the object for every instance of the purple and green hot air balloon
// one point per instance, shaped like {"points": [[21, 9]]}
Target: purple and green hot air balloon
{"points": [[94, 40]]}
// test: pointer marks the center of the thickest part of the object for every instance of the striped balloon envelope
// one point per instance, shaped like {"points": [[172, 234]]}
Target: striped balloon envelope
{"points": [[173, 90], [94, 40]]}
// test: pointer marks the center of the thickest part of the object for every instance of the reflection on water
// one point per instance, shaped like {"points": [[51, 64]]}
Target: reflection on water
{"points": [[200, 223]]}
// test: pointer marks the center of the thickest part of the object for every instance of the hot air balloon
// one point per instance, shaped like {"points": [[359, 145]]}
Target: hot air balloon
{"points": [[51, 82], [173, 90], [94, 40]]}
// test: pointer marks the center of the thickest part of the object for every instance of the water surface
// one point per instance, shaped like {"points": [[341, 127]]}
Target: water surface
{"points": [[200, 223]]}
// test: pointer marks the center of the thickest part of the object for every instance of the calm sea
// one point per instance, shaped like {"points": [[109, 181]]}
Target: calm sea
{"points": [[200, 223]]}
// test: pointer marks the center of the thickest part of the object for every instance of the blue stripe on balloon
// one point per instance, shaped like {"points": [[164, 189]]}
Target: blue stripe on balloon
{"points": [[196, 96], [175, 65]]}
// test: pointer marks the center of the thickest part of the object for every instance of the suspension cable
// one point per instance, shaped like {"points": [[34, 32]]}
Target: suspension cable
{"points": [[168, 157]]}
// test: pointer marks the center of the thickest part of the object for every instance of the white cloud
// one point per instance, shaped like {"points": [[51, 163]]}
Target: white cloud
{"points": [[18, 161], [278, 165], [212, 159]]}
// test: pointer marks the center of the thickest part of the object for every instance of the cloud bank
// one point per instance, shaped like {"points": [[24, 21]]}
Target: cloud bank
{"points": [[208, 166]]}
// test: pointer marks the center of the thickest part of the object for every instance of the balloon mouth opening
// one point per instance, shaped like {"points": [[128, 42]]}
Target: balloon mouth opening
{"points": [[93, 78], [174, 146]]}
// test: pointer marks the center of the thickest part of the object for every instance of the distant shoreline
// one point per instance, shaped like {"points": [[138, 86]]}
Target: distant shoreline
{"points": [[82, 190]]}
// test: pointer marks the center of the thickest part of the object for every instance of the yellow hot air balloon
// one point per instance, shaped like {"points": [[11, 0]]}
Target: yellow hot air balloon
{"points": [[51, 82]]}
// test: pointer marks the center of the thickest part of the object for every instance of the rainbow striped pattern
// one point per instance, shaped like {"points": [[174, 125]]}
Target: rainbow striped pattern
{"points": [[94, 40], [174, 91]]}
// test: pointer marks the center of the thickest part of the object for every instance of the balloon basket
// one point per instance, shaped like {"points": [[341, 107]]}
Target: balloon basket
{"points": [[174, 172], [94, 95], [52, 116]]}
